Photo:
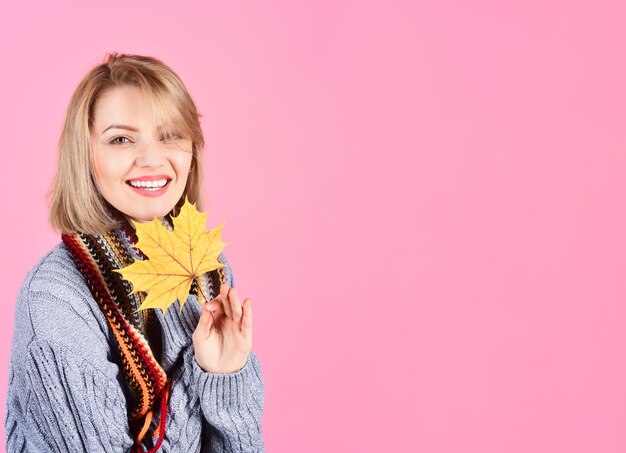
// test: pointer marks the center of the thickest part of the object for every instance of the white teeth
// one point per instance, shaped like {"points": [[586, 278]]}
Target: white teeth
{"points": [[154, 185]]}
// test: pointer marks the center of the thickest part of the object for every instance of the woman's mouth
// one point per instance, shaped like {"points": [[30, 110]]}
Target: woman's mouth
{"points": [[150, 188]]}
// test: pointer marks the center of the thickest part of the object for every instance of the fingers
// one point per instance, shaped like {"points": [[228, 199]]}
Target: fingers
{"points": [[241, 316], [224, 298], [235, 305], [246, 320], [203, 329], [209, 325]]}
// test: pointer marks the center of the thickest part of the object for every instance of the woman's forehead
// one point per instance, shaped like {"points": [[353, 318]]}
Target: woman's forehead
{"points": [[135, 110]]}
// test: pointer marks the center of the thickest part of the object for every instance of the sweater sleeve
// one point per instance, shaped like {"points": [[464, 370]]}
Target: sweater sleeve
{"points": [[58, 403], [231, 405]]}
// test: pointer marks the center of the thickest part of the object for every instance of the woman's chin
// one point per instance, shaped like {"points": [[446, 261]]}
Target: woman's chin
{"points": [[145, 218]]}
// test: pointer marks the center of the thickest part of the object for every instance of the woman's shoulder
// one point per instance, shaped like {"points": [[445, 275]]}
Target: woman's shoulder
{"points": [[54, 276], [55, 270], [54, 304]]}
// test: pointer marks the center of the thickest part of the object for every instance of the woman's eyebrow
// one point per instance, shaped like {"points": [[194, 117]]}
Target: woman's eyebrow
{"points": [[120, 126]]}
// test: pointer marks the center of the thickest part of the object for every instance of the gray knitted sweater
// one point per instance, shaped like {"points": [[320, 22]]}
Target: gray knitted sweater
{"points": [[66, 393]]}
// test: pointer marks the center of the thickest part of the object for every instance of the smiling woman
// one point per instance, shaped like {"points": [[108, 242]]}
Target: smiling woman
{"points": [[139, 168], [89, 371]]}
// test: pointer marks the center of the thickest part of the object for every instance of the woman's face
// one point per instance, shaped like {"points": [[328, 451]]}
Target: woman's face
{"points": [[132, 159]]}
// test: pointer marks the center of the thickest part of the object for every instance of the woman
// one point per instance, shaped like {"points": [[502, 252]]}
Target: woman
{"points": [[88, 371]]}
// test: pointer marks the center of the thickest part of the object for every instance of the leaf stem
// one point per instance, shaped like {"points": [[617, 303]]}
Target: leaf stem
{"points": [[202, 293]]}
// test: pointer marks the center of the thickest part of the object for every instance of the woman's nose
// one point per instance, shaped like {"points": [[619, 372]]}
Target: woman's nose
{"points": [[150, 155]]}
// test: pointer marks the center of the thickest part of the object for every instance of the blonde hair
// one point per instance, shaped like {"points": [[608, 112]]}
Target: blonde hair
{"points": [[76, 205]]}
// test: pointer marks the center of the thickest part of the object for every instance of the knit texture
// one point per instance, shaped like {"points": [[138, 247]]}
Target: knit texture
{"points": [[67, 390]]}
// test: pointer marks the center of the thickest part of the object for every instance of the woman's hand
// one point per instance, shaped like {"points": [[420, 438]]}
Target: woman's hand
{"points": [[223, 337]]}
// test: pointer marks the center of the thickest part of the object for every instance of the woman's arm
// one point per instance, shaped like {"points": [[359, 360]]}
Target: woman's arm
{"points": [[58, 402], [232, 406], [231, 403]]}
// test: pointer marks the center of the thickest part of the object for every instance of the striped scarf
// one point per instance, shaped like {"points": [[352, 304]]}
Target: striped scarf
{"points": [[138, 335]]}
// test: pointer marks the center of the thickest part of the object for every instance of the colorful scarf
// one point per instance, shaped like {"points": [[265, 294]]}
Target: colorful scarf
{"points": [[138, 335]]}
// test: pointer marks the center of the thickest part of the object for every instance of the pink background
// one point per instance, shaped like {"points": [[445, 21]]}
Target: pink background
{"points": [[425, 202]]}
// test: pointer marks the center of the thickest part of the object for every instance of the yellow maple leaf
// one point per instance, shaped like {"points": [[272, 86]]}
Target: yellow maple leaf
{"points": [[175, 258]]}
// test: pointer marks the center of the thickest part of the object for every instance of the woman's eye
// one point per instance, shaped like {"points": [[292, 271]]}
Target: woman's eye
{"points": [[115, 142], [171, 137]]}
